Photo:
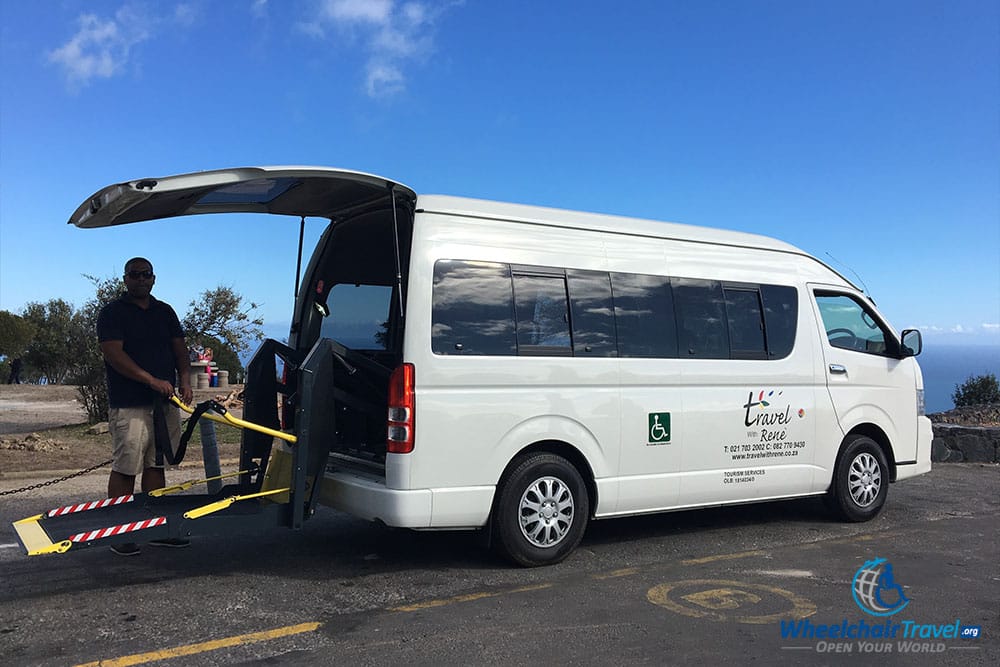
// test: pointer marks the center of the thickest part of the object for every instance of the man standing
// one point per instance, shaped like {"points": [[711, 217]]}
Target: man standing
{"points": [[144, 350]]}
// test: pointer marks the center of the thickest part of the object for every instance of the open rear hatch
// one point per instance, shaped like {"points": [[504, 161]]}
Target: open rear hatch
{"points": [[333, 395], [294, 191]]}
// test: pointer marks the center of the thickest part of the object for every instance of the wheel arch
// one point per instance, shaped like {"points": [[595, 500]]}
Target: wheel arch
{"points": [[567, 451], [880, 437]]}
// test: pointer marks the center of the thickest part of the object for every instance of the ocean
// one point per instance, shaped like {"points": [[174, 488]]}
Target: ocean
{"points": [[947, 366]]}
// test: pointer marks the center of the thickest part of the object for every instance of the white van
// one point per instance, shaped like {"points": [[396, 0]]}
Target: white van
{"points": [[464, 364]]}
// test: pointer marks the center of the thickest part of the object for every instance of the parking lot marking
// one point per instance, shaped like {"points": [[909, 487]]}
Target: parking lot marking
{"points": [[724, 600], [204, 647], [627, 572], [470, 597], [718, 557]]}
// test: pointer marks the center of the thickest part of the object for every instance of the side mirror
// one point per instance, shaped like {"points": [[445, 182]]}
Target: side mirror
{"points": [[911, 344]]}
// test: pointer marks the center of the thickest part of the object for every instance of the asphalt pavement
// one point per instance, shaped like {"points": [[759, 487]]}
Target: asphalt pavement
{"points": [[765, 584]]}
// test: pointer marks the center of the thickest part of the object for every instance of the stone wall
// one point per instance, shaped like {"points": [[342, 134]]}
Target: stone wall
{"points": [[958, 444]]}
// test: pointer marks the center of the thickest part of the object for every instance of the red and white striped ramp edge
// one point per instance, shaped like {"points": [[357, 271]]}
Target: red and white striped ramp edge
{"points": [[93, 505], [118, 530]]}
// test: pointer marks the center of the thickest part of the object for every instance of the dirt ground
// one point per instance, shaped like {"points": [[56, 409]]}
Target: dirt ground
{"points": [[43, 428]]}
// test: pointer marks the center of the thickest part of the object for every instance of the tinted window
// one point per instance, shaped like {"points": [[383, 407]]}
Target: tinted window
{"points": [[746, 324], [849, 325], [592, 313], [781, 312], [473, 309], [542, 313], [702, 331], [359, 316], [644, 315]]}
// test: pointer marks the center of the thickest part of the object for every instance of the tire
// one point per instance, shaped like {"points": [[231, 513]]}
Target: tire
{"points": [[541, 511], [860, 482]]}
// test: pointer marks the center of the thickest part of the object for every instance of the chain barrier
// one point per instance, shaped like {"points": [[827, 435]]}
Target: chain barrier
{"points": [[56, 481]]}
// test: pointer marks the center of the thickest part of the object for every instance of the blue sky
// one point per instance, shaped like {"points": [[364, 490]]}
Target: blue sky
{"points": [[866, 130]]}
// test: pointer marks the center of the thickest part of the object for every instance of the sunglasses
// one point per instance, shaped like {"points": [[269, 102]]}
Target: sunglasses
{"points": [[135, 275]]}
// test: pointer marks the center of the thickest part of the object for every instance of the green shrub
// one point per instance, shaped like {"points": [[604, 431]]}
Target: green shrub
{"points": [[977, 390]]}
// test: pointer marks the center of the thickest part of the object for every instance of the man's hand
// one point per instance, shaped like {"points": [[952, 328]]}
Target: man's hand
{"points": [[162, 387], [186, 394]]}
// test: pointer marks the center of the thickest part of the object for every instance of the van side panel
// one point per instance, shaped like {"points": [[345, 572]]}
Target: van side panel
{"points": [[713, 454], [475, 413]]}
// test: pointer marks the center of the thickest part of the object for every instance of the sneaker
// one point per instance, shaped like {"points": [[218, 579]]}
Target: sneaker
{"points": [[127, 549], [173, 542]]}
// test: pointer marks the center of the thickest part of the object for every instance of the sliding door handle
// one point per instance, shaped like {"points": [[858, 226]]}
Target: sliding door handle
{"points": [[838, 369]]}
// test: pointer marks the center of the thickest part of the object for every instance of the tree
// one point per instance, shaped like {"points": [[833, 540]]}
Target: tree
{"points": [[222, 315], [978, 390], [58, 342], [90, 373], [15, 332]]}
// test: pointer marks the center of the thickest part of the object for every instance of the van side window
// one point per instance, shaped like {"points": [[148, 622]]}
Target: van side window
{"points": [[644, 315], [850, 326], [542, 315], [701, 319], [473, 309], [591, 314], [781, 314], [746, 323]]}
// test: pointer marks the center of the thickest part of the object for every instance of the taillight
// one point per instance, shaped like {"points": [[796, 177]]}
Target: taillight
{"points": [[399, 439]]}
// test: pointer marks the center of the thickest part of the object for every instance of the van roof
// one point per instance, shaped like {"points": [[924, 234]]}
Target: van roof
{"points": [[540, 215]]}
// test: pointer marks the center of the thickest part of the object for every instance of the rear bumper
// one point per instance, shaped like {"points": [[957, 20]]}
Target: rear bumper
{"points": [[368, 498]]}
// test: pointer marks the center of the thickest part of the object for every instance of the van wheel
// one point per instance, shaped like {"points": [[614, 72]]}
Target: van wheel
{"points": [[541, 511], [860, 482]]}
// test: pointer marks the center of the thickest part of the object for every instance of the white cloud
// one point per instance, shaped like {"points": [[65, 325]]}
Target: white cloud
{"points": [[982, 331], [100, 48], [361, 11], [383, 79], [393, 35]]}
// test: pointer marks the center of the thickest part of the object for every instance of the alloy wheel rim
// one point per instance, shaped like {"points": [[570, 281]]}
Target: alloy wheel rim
{"points": [[546, 512], [864, 480]]}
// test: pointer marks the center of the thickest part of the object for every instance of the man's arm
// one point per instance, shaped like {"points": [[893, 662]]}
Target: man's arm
{"points": [[114, 353], [183, 364]]}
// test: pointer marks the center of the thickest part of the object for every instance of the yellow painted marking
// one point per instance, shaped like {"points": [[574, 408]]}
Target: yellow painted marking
{"points": [[627, 572], [204, 647], [722, 598], [718, 557], [713, 598], [467, 598]]}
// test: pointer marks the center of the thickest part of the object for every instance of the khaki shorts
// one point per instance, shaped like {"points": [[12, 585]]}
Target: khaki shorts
{"points": [[132, 437]]}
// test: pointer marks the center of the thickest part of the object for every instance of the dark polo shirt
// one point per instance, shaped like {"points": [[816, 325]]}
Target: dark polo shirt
{"points": [[146, 336]]}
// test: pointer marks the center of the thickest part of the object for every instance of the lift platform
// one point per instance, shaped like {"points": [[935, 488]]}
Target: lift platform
{"points": [[274, 487]]}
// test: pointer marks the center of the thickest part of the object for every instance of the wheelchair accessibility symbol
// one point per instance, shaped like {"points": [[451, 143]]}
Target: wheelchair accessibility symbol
{"points": [[659, 428], [722, 600]]}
